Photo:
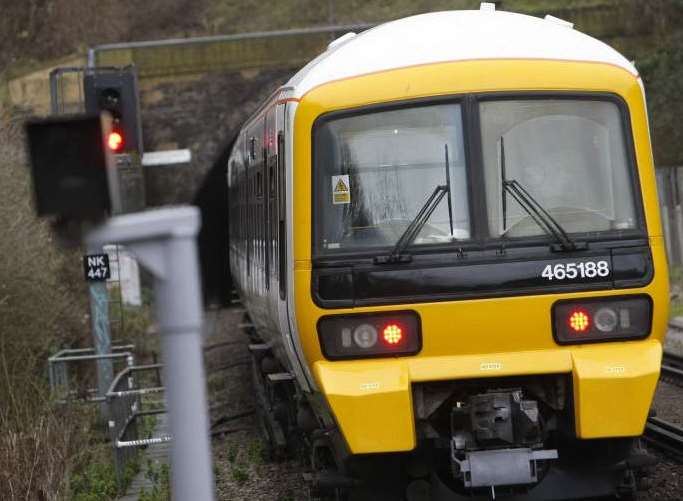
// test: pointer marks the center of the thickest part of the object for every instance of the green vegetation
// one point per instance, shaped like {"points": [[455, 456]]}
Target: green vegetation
{"points": [[676, 308], [97, 481], [240, 474], [232, 453], [94, 474], [159, 475], [676, 284], [255, 451]]}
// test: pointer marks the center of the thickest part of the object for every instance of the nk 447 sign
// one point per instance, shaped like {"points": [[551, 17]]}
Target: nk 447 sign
{"points": [[96, 267]]}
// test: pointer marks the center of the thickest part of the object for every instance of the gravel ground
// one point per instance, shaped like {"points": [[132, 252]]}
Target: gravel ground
{"points": [[669, 403], [667, 477], [241, 471]]}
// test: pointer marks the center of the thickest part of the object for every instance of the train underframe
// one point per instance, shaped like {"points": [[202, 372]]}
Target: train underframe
{"points": [[510, 438]]}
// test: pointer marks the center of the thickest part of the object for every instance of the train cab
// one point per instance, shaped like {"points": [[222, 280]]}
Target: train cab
{"points": [[445, 230]]}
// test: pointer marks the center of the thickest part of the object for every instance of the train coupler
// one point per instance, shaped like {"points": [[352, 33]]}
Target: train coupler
{"points": [[497, 440], [489, 468]]}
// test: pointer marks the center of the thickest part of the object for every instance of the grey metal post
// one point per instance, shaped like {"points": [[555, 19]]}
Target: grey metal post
{"points": [[101, 333], [54, 92], [164, 242]]}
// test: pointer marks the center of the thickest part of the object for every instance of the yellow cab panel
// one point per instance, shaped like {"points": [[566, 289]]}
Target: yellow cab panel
{"points": [[481, 337]]}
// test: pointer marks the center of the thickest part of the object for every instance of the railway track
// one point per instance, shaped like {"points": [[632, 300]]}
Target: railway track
{"points": [[665, 436], [660, 434], [672, 364], [672, 369]]}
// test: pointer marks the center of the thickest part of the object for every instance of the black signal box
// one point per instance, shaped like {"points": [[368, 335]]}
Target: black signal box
{"points": [[73, 173], [115, 91]]}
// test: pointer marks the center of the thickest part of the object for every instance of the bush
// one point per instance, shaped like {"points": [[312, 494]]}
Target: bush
{"points": [[42, 306], [97, 482]]}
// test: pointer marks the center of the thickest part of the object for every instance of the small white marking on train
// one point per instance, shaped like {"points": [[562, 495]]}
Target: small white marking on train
{"points": [[619, 369], [369, 386], [490, 366]]}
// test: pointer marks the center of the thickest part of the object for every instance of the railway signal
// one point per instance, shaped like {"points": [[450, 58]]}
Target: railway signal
{"points": [[114, 90], [74, 178]]}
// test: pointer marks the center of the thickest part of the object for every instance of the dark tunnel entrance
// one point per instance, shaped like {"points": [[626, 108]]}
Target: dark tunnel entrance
{"points": [[212, 200]]}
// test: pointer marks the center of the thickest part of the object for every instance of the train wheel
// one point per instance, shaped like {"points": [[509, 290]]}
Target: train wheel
{"points": [[273, 435], [324, 466]]}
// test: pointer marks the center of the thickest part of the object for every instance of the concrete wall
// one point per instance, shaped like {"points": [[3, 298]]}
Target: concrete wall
{"points": [[32, 90], [202, 114]]}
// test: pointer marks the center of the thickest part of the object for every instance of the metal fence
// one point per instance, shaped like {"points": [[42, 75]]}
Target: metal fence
{"points": [[64, 383], [159, 58], [127, 408], [66, 90], [670, 189]]}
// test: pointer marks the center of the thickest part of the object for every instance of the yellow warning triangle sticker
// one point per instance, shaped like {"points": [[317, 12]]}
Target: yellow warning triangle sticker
{"points": [[341, 186]]}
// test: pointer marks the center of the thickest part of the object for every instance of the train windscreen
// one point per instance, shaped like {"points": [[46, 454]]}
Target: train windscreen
{"points": [[569, 154], [375, 171]]}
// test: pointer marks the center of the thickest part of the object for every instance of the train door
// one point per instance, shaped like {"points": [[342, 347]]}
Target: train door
{"points": [[282, 167], [255, 203], [270, 185]]}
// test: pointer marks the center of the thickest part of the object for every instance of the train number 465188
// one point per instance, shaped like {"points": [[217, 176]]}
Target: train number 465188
{"points": [[569, 271]]}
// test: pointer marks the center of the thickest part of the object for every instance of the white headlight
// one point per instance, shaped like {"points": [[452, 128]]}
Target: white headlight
{"points": [[365, 336], [605, 319]]}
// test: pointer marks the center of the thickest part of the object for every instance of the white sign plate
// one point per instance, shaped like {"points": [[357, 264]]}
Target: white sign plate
{"points": [[168, 157]]}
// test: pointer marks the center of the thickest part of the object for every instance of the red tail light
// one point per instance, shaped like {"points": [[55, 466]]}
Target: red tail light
{"points": [[579, 321], [115, 141], [370, 335], [392, 334], [602, 319]]}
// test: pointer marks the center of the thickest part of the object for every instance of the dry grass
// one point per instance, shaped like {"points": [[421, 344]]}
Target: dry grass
{"points": [[37, 30], [35, 458], [42, 306]]}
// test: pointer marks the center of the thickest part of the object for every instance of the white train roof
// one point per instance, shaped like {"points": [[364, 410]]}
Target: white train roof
{"points": [[453, 36]]}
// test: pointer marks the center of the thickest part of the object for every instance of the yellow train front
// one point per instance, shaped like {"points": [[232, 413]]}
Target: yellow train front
{"points": [[464, 227]]}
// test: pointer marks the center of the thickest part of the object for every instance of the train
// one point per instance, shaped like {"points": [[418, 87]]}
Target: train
{"points": [[445, 233]]}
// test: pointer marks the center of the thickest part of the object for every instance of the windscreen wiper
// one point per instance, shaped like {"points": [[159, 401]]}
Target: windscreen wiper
{"points": [[535, 210], [398, 254]]}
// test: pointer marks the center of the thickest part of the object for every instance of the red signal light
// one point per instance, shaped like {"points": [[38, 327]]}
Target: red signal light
{"points": [[115, 141], [579, 321], [392, 334]]}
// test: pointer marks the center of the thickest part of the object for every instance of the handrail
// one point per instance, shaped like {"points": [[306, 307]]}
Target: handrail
{"points": [[125, 407], [125, 372], [58, 356], [170, 42]]}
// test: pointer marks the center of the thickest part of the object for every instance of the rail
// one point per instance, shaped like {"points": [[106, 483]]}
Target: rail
{"points": [[125, 405], [665, 436], [62, 385], [672, 369], [660, 434]]}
